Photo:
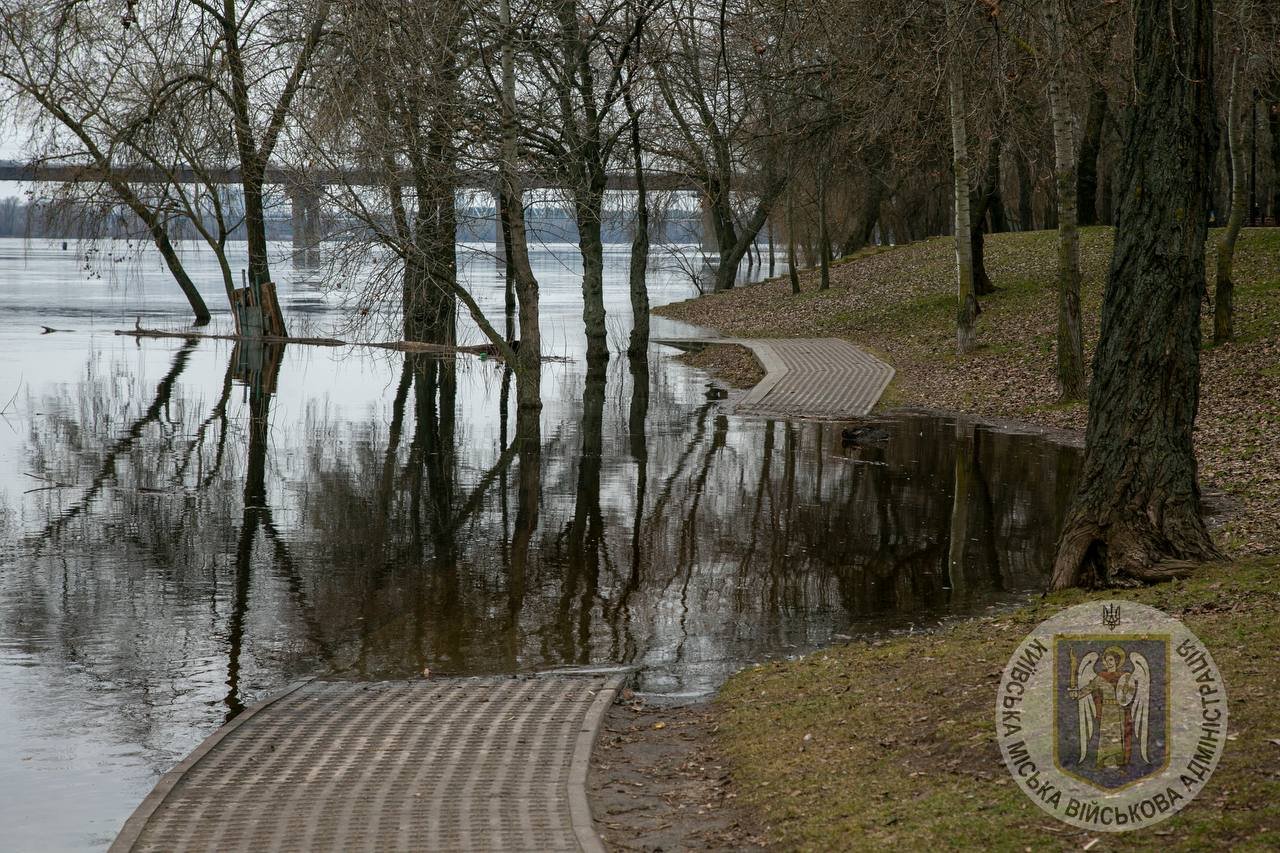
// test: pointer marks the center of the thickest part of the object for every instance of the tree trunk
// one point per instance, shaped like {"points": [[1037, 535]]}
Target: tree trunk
{"points": [[824, 234], [989, 189], [1273, 123], [591, 246], [792, 272], [1087, 164], [966, 301], [1224, 287], [171, 260], [639, 344], [1136, 513], [771, 254], [1026, 214], [1071, 379], [529, 355]]}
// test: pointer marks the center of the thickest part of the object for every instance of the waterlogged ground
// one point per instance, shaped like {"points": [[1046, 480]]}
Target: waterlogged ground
{"points": [[185, 527]]}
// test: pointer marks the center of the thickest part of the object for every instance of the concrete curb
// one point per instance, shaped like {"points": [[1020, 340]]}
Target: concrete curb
{"points": [[579, 807], [806, 378], [137, 821]]}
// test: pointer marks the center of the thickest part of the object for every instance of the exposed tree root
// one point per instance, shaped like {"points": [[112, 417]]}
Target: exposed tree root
{"points": [[1128, 551]]}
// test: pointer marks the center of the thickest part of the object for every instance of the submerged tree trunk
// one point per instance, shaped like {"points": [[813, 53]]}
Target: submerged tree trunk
{"points": [[966, 300], [591, 246], [1224, 287], [1136, 513], [1071, 380], [639, 343], [528, 364], [179, 273]]}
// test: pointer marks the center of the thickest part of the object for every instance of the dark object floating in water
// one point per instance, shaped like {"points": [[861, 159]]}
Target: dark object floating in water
{"points": [[862, 435], [49, 330], [716, 393]]}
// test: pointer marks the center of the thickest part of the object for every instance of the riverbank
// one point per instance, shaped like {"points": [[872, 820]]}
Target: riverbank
{"points": [[890, 744], [899, 305]]}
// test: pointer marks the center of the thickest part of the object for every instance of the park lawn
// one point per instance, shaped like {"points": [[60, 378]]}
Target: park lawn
{"points": [[900, 305], [902, 752]]}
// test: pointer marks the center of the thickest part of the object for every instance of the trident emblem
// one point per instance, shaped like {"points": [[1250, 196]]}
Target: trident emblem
{"points": [[1111, 616]]}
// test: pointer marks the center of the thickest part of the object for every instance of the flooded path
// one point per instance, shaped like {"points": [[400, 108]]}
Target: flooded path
{"points": [[185, 527]]}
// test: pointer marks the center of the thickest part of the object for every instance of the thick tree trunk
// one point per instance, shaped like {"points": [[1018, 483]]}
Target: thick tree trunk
{"points": [[1224, 287], [591, 246], [185, 284], [1087, 164], [966, 300], [989, 189], [734, 242], [1136, 513], [1071, 379]]}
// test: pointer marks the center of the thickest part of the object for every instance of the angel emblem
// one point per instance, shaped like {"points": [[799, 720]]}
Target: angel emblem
{"points": [[1114, 698]]}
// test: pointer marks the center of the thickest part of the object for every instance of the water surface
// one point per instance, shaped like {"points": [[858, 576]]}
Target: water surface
{"points": [[186, 527]]}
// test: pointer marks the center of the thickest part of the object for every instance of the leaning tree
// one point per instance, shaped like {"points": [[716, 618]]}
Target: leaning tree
{"points": [[1136, 515]]}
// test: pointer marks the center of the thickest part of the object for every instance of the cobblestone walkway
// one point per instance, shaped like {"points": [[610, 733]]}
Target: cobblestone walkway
{"points": [[472, 764], [811, 377]]}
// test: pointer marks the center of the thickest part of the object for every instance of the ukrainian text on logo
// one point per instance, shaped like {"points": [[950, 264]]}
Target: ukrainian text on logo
{"points": [[1111, 715]]}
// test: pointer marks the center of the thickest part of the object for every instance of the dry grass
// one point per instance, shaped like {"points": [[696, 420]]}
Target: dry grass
{"points": [[900, 304], [734, 365]]}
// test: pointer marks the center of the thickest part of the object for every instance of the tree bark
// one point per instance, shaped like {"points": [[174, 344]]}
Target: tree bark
{"points": [[529, 355], [966, 301], [1071, 379], [639, 343], [1224, 287], [1273, 124], [987, 191], [1087, 164], [1136, 514], [824, 234], [792, 272], [1026, 212]]}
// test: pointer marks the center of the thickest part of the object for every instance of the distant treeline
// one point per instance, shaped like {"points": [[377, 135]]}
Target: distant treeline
{"points": [[19, 218]]}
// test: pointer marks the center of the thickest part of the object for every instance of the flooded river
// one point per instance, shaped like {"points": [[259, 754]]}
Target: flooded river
{"points": [[175, 544]]}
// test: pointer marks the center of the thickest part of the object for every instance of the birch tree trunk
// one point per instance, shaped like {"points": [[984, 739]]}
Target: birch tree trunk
{"points": [[1071, 382], [1223, 289], [966, 301]]}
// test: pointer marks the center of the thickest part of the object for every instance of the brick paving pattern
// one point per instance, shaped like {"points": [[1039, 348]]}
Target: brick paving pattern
{"points": [[810, 377], [441, 764]]}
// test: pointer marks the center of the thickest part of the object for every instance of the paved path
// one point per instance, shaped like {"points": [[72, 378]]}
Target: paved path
{"points": [[810, 377], [472, 764]]}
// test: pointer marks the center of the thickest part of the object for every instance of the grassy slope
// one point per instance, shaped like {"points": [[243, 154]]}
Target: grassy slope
{"points": [[900, 304], [902, 752]]}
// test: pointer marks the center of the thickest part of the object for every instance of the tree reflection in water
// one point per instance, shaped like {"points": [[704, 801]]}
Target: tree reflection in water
{"points": [[627, 523]]}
